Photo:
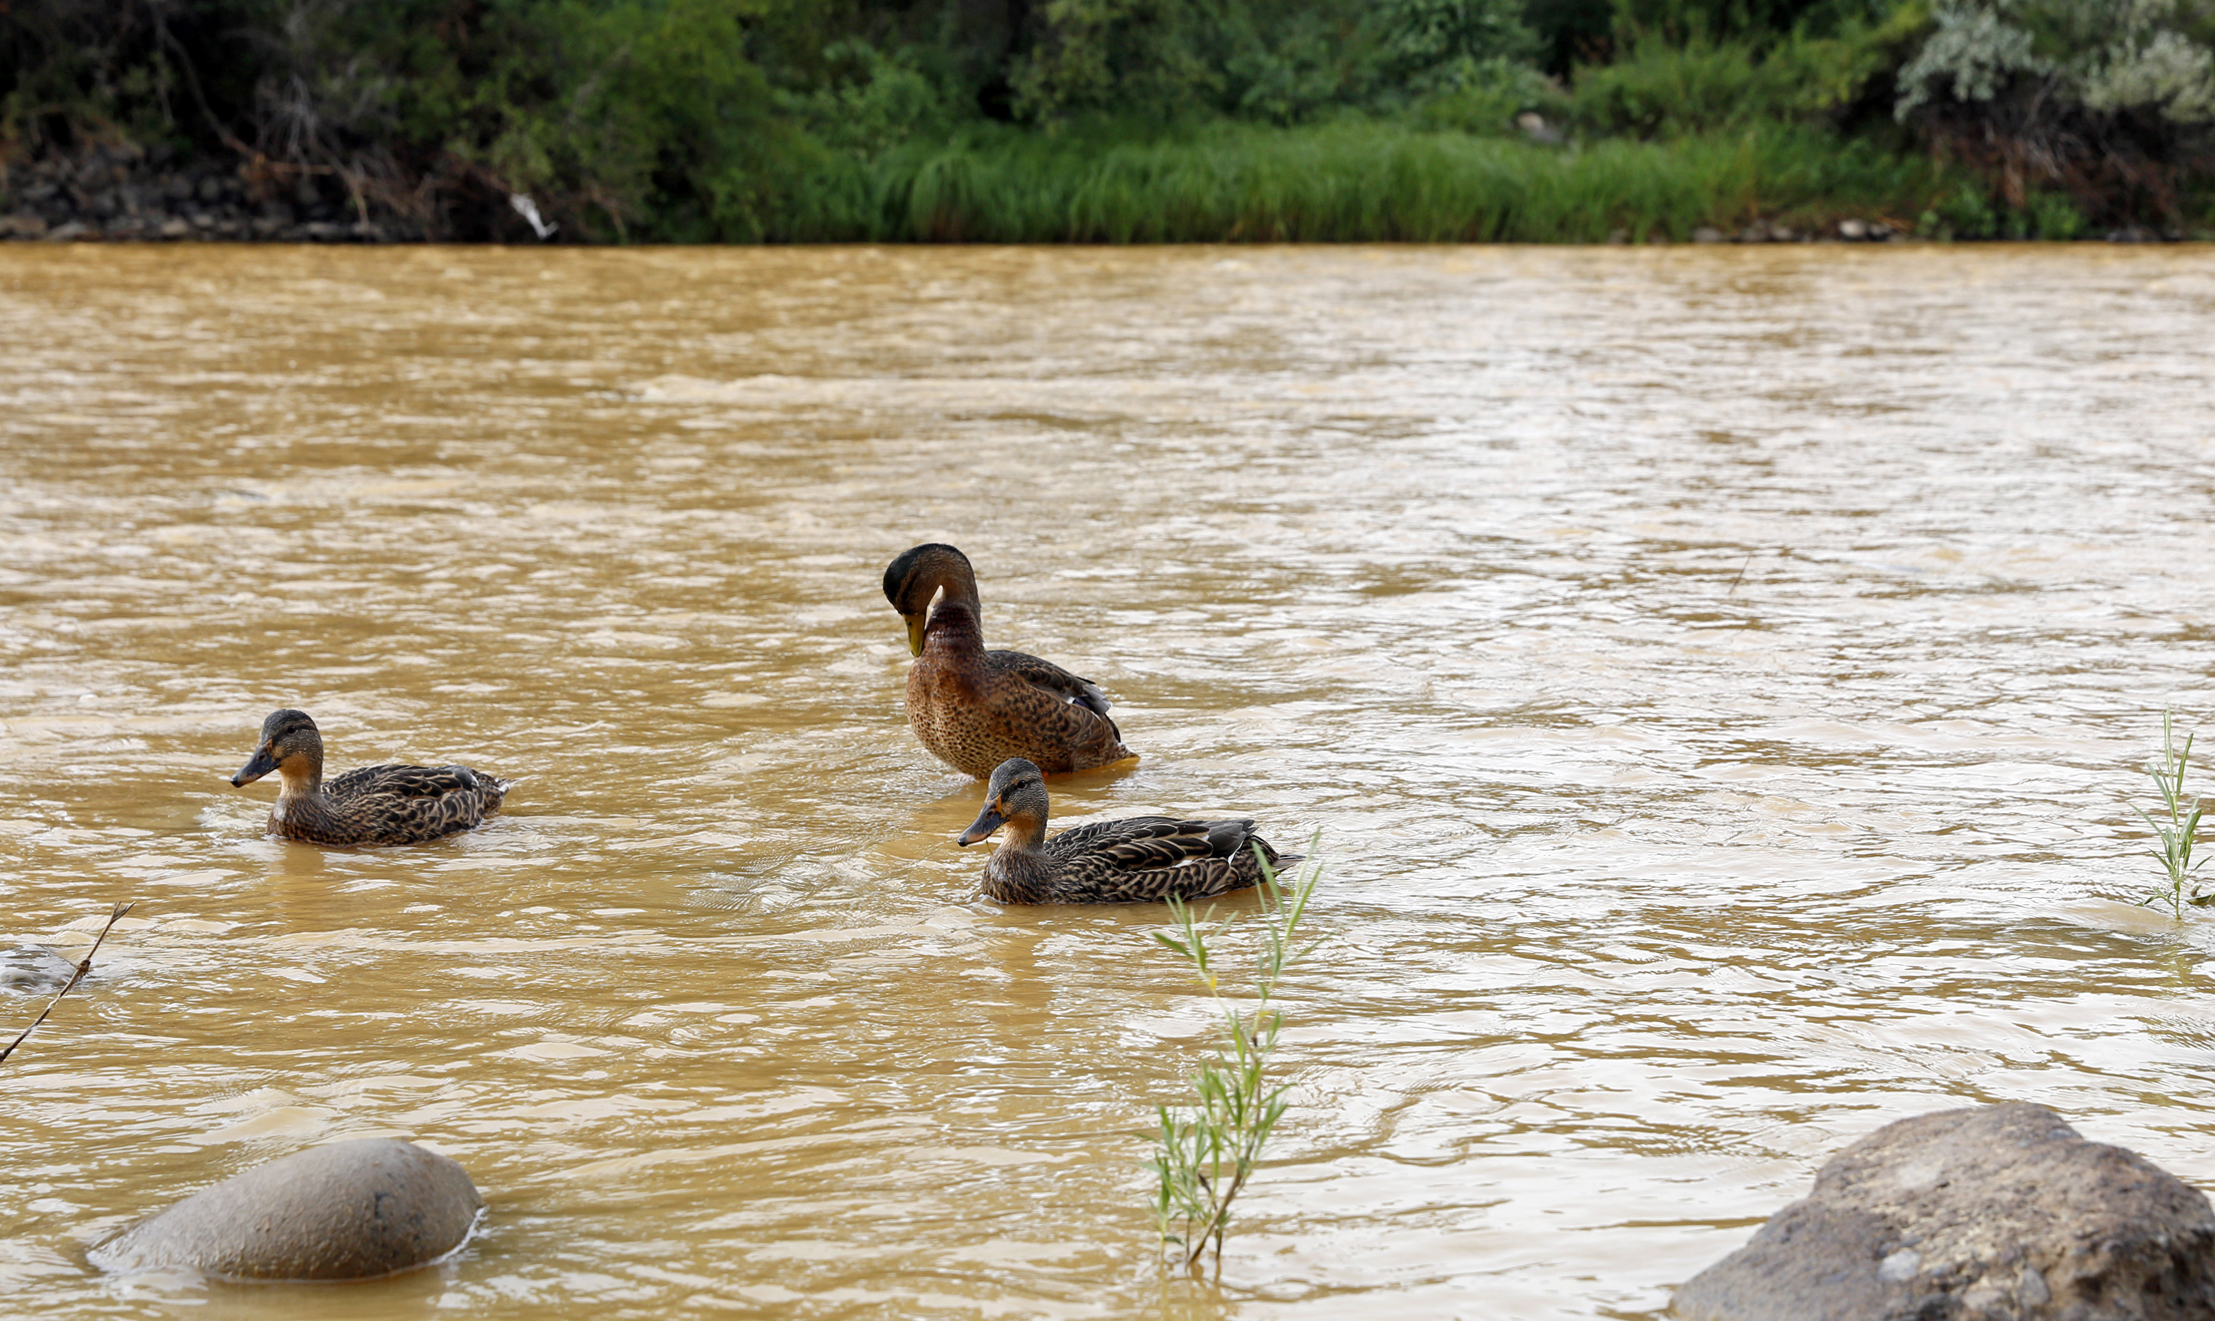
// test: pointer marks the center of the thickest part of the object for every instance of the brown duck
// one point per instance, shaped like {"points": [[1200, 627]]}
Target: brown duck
{"points": [[1137, 860], [374, 805], [974, 709]]}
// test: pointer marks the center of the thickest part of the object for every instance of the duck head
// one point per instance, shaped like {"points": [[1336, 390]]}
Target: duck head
{"points": [[291, 745], [912, 582], [1015, 797]]}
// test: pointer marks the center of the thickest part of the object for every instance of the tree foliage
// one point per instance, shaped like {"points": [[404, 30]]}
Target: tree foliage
{"points": [[2111, 100], [711, 119]]}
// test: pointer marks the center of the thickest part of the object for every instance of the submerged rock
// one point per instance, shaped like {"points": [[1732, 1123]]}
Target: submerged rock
{"points": [[1991, 1213], [33, 970], [347, 1211]]}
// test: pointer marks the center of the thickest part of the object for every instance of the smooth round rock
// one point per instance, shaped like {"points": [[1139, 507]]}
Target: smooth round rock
{"points": [[347, 1211]]}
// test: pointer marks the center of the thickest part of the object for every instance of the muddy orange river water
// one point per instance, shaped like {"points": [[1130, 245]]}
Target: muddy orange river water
{"points": [[1720, 679]]}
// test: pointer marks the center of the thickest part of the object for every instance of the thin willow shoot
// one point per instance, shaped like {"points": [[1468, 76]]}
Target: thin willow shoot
{"points": [[1207, 1149], [2176, 827], [84, 966]]}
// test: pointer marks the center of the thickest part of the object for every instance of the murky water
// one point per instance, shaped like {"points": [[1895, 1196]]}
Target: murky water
{"points": [[1719, 678]]}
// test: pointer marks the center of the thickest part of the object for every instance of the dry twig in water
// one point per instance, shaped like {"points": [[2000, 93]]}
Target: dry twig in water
{"points": [[84, 966]]}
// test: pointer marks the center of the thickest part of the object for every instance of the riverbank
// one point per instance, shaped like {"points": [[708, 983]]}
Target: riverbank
{"points": [[118, 193], [1353, 182], [700, 122]]}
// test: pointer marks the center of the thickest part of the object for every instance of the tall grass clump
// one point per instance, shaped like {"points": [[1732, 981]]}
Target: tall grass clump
{"points": [[1363, 181], [1206, 1150], [2175, 828]]}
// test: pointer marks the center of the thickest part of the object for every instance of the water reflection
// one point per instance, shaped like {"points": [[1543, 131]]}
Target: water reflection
{"points": [[1719, 678]]}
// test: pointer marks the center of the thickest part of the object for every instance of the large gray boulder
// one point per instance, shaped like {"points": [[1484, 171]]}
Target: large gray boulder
{"points": [[1997, 1213], [347, 1211]]}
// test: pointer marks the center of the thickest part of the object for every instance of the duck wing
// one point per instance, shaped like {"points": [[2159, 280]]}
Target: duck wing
{"points": [[407, 782], [1150, 843], [1045, 674]]}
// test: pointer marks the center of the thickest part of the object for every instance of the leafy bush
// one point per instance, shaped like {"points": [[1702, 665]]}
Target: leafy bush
{"points": [[74, 71], [2110, 101], [2108, 57], [1284, 63], [1485, 97], [1699, 86], [1695, 22]]}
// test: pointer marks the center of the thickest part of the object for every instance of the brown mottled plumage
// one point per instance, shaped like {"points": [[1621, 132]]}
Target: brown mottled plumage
{"points": [[974, 709], [374, 805], [1137, 860]]}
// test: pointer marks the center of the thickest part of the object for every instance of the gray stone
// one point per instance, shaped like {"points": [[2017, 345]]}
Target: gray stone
{"points": [[1536, 128], [1853, 230], [1995, 1213], [1707, 234], [348, 1211], [33, 970]]}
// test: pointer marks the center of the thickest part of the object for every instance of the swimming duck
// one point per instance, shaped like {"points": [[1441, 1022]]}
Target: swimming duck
{"points": [[1137, 860], [974, 709], [374, 805]]}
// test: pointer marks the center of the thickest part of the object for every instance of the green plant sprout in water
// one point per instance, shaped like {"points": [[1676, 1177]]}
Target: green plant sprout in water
{"points": [[2176, 828], [1207, 1149]]}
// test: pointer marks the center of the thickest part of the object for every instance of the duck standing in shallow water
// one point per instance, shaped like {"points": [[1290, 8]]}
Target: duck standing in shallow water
{"points": [[374, 805], [1138, 860], [974, 709]]}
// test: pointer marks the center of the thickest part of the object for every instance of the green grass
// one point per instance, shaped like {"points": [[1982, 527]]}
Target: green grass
{"points": [[1370, 181], [1205, 1151]]}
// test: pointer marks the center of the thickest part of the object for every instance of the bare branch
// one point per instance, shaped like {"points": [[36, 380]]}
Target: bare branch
{"points": [[84, 966]]}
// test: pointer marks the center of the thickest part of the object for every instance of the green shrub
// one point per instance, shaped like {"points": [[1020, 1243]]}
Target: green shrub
{"points": [[1661, 89], [1484, 98], [1287, 62], [2110, 102], [1702, 22]]}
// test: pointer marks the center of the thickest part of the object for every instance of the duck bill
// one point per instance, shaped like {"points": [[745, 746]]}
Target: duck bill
{"points": [[915, 633], [261, 765], [981, 829]]}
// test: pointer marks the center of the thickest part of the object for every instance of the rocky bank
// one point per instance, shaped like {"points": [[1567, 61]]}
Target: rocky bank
{"points": [[1994, 1213], [119, 192]]}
